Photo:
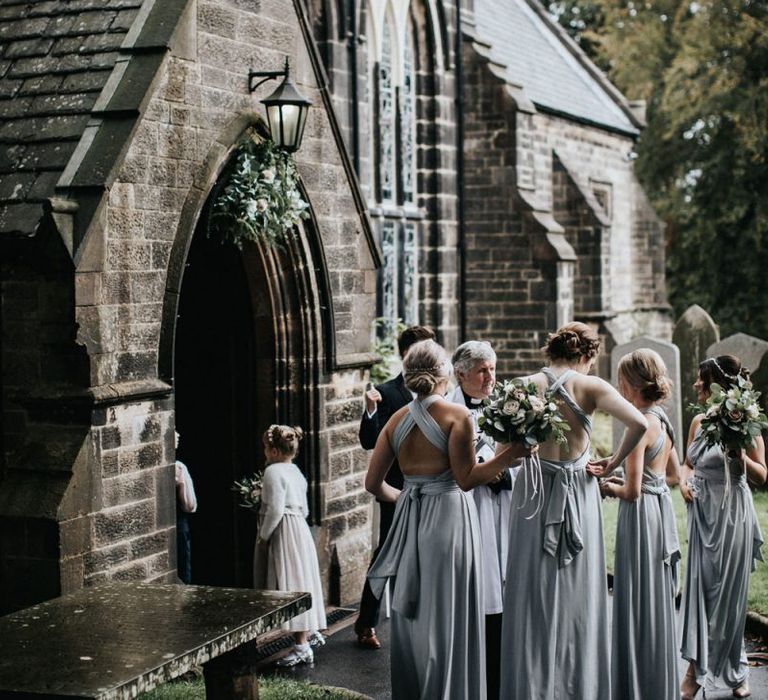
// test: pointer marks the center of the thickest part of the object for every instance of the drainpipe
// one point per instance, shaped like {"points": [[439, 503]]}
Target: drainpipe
{"points": [[462, 244]]}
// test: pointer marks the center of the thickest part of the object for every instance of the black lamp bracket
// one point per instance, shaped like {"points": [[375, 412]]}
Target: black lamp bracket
{"points": [[265, 75]]}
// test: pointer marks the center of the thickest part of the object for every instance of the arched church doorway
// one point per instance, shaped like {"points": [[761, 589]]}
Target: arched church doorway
{"points": [[225, 397], [246, 343]]}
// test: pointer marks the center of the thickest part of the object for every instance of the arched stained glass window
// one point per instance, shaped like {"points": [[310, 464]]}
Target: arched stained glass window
{"points": [[387, 114], [408, 121], [394, 187]]}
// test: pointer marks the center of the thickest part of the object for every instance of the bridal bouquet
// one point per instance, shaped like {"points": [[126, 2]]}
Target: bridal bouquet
{"points": [[516, 412], [249, 491], [732, 418]]}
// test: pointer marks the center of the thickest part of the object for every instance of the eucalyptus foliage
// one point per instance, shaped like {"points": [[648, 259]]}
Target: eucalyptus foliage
{"points": [[259, 198]]}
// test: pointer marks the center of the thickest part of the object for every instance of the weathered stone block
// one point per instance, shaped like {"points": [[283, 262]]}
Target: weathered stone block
{"points": [[115, 524]]}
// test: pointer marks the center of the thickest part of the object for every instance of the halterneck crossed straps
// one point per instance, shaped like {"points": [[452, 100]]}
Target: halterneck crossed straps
{"points": [[399, 555], [418, 415], [557, 385], [654, 484], [562, 520], [667, 429]]}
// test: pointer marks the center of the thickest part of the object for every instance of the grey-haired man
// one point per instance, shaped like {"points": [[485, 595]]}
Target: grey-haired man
{"points": [[474, 364]]}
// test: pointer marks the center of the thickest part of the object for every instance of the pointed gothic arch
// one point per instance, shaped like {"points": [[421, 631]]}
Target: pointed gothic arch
{"points": [[246, 337]]}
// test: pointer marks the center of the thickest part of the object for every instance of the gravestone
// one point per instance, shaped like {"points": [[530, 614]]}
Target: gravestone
{"points": [[747, 348], [760, 382], [671, 356], [694, 332]]}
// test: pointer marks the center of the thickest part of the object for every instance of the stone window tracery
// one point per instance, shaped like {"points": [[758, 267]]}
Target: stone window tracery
{"points": [[394, 191], [408, 122], [387, 120]]}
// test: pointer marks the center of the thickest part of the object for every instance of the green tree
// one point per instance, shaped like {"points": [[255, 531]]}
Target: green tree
{"points": [[702, 67]]}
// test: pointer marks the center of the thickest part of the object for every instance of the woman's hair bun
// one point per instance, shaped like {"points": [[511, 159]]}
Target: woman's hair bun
{"points": [[571, 342], [644, 369], [424, 365]]}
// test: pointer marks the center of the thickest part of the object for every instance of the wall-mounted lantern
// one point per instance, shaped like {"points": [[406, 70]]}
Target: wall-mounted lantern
{"points": [[286, 108]]}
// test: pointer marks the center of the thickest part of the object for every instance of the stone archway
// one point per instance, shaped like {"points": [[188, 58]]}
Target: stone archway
{"points": [[246, 338]]}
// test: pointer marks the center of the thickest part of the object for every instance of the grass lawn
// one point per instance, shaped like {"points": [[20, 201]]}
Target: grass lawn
{"points": [[269, 689], [758, 585]]}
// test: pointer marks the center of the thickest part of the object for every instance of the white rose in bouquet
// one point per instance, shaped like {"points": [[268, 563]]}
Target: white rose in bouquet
{"points": [[510, 408]]}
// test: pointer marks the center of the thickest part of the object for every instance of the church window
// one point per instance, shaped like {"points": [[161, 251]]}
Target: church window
{"points": [[387, 117], [408, 122]]}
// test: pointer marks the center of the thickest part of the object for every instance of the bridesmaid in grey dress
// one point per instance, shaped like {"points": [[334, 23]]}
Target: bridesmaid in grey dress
{"points": [[555, 627], [644, 661], [724, 542], [433, 551]]}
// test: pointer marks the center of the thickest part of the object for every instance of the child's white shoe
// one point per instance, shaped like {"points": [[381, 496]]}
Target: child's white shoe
{"points": [[301, 654], [316, 639]]}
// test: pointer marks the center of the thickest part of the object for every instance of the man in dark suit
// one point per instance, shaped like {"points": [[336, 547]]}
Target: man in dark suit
{"points": [[380, 403]]}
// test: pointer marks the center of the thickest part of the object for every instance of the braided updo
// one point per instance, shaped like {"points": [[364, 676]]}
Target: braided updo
{"points": [[571, 342], [284, 438], [425, 366], [644, 370]]}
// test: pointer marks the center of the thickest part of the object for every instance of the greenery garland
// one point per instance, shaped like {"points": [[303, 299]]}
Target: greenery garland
{"points": [[260, 199]]}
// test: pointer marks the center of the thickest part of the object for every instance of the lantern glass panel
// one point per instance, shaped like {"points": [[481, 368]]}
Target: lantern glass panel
{"points": [[273, 118], [290, 119], [302, 122]]}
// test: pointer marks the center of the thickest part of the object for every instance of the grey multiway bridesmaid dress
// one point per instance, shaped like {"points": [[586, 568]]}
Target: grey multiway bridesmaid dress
{"points": [[644, 659], [724, 542], [433, 554], [555, 627]]}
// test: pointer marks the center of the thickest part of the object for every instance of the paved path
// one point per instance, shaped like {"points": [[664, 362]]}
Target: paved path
{"points": [[342, 663]]}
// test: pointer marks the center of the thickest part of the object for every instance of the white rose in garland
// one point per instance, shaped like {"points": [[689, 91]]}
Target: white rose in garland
{"points": [[258, 198]]}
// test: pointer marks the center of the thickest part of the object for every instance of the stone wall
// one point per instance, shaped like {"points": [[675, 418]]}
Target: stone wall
{"points": [[510, 294], [191, 124], [530, 174], [114, 514], [436, 208]]}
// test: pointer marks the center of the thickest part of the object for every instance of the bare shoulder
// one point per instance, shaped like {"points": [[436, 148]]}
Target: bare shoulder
{"points": [[396, 417], [539, 379], [449, 410], [591, 386], [594, 382], [696, 421]]}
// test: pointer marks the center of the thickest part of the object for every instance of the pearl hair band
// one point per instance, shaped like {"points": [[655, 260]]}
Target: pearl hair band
{"points": [[722, 371]]}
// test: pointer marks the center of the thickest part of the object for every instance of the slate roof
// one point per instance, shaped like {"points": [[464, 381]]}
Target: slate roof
{"points": [[551, 69], [55, 58]]}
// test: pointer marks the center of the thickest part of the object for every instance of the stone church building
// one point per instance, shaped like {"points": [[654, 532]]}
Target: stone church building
{"points": [[466, 167]]}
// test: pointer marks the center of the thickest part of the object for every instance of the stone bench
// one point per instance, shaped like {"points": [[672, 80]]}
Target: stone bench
{"points": [[117, 640]]}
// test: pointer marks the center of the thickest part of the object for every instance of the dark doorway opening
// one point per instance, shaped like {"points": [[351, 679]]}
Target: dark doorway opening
{"points": [[225, 398]]}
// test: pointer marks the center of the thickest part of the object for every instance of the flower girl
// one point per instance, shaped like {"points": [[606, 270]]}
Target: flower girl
{"points": [[288, 562]]}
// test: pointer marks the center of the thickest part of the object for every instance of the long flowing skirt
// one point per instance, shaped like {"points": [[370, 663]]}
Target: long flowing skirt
{"points": [[289, 563], [438, 618], [723, 545], [644, 661], [555, 626]]}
